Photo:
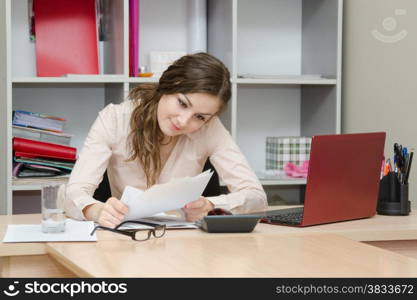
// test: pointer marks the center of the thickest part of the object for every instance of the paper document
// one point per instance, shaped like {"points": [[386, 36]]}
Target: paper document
{"points": [[163, 197], [75, 231]]}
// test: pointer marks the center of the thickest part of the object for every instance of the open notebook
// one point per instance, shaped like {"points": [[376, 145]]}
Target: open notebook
{"points": [[171, 222]]}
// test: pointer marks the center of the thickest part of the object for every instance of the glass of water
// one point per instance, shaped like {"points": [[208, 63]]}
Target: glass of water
{"points": [[53, 216]]}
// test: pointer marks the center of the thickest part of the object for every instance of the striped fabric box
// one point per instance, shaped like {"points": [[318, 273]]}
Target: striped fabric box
{"points": [[281, 150]]}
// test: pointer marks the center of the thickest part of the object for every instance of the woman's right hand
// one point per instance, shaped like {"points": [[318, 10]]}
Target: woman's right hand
{"points": [[109, 214]]}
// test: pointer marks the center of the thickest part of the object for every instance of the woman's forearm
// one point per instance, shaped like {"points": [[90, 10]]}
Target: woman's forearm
{"points": [[92, 212]]}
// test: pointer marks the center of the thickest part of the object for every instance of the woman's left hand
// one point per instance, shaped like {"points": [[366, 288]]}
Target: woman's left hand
{"points": [[197, 209]]}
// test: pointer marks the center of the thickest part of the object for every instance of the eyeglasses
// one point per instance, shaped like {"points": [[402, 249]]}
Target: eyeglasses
{"points": [[136, 234]]}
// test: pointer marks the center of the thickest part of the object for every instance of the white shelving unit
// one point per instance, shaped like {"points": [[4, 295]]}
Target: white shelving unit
{"points": [[285, 43], [35, 184]]}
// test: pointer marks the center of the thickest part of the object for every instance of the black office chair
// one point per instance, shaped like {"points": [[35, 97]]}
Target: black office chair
{"points": [[103, 192], [213, 186]]}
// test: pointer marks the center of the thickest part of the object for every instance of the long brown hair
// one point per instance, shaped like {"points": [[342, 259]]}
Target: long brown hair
{"points": [[194, 73]]}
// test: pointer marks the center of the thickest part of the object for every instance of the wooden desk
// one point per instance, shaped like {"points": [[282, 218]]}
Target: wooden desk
{"points": [[345, 249]]}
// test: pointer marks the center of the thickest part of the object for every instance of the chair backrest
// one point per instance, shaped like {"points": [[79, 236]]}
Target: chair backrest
{"points": [[103, 192], [213, 187]]}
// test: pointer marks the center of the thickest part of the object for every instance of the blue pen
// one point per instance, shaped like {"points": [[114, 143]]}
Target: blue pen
{"points": [[405, 159]]}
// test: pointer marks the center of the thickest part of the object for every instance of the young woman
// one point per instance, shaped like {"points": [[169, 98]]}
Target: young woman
{"points": [[167, 131]]}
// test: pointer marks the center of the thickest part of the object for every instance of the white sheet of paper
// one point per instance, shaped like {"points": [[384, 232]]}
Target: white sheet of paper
{"points": [[163, 197], [75, 231]]}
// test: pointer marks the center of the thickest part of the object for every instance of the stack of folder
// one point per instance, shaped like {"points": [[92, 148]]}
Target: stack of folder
{"points": [[40, 159]]}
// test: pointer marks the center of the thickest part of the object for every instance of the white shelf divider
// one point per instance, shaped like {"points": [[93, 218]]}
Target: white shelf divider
{"points": [[35, 184], [143, 79], [278, 182], [289, 81], [289, 181], [72, 79]]}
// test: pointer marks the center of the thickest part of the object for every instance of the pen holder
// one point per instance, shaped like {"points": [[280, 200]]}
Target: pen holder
{"points": [[393, 196]]}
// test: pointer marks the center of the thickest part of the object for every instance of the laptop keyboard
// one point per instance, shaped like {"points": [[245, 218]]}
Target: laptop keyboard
{"points": [[290, 216]]}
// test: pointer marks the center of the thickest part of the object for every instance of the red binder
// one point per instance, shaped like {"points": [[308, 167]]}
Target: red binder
{"points": [[66, 37], [31, 148]]}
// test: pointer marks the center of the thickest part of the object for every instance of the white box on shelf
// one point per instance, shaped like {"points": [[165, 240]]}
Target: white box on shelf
{"points": [[161, 60]]}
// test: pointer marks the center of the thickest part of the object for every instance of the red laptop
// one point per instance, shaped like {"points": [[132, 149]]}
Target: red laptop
{"points": [[342, 182]]}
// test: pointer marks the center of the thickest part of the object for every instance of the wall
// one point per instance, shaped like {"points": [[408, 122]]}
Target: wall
{"points": [[379, 72]]}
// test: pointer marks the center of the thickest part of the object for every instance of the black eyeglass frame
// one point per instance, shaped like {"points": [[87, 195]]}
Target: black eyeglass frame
{"points": [[132, 232]]}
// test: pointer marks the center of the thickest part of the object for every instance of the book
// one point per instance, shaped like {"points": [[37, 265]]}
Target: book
{"points": [[66, 37], [24, 170], [32, 149], [41, 135], [45, 162], [133, 38], [36, 120]]}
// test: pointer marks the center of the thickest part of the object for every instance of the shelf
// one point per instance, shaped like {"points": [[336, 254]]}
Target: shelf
{"points": [[278, 181], [85, 79], [35, 184], [143, 79], [72, 79], [287, 181], [287, 80]]}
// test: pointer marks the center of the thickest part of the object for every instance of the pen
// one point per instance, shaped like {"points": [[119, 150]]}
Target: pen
{"points": [[386, 169], [398, 157], [389, 164], [408, 168]]}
